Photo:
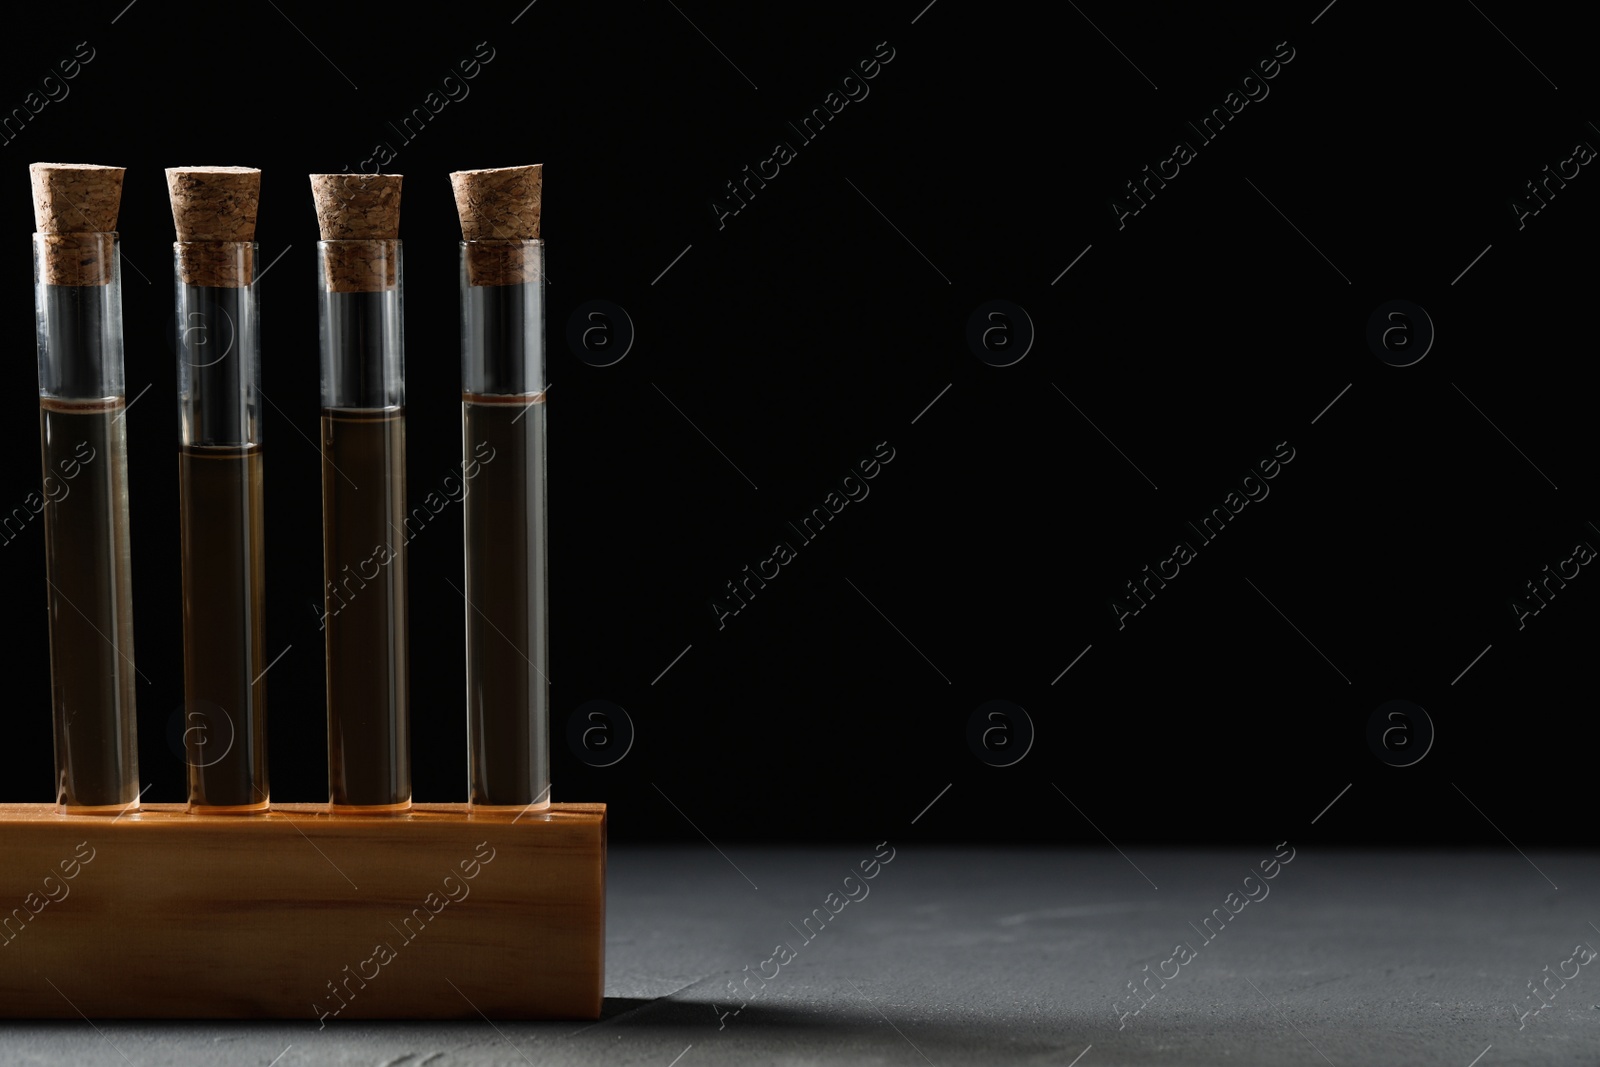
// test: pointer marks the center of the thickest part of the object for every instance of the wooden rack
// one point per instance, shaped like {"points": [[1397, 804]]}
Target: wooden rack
{"points": [[298, 913]]}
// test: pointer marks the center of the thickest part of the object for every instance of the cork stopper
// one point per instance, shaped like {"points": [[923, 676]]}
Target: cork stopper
{"points": [[75, 197], [499, 205], [214, 212], [75, 209], [358, 216], [502, 202]]}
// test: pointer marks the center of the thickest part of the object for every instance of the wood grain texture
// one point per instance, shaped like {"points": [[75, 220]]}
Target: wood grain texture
{"points": [[301, 914]]}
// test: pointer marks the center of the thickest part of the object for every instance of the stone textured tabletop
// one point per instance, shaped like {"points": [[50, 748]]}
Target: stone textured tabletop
{"points": [[955, 956]]}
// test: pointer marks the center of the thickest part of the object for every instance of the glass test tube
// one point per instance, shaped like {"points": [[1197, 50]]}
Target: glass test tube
{"points": [[363, 527], [82, 401], [503, 444], [220, 497]]}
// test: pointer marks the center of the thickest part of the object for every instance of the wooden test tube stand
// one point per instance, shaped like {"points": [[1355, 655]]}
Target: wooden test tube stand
{"points": [[177, 915]]}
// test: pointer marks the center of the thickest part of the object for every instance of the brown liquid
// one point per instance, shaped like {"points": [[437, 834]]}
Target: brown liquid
{"points": [[90, 603], [224, 643], [363, 552], [508, 697]]}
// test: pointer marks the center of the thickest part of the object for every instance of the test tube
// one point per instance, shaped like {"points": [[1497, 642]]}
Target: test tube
{"points": [[503, 468], [220, 487], [84, 436], [363, 492]]}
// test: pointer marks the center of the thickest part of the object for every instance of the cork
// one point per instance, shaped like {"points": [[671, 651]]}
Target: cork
{"points": [[497, 205], [214, 212], [75, 208], [75, 197], [358, 216]]}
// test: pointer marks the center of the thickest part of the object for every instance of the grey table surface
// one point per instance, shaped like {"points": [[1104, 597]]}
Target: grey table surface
{"points": [[987, 956]]}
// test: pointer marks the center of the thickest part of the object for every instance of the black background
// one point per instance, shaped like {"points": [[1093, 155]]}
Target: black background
{"points": [[807, 329]]}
